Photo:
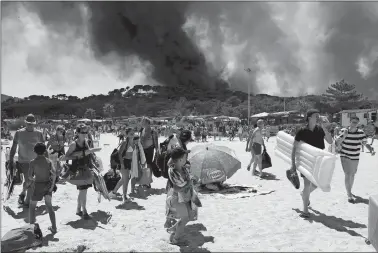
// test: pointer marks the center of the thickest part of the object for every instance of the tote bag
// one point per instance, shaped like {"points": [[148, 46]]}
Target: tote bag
{"points": [[81, 177], [266, 160]]}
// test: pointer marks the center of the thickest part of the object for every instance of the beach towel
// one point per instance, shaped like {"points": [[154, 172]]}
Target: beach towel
{"points": [[22, 238]]}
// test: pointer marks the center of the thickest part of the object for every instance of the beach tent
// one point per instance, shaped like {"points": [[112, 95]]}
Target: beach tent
{"points": [[84, 120], [234, 119], [260, 115]]}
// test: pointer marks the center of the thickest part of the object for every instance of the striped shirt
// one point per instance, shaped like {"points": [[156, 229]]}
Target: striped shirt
{"points": [[351, 146]]}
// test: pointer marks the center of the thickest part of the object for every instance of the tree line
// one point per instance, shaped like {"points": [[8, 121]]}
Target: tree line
{"points": [[160, 101]]}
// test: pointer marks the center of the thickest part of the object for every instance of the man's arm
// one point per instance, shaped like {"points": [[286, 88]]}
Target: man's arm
{"points": [[293, 152], [53, 174], [14, 147]]}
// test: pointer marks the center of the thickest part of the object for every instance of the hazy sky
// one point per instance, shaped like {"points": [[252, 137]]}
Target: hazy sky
{"points": [[293, 48]]}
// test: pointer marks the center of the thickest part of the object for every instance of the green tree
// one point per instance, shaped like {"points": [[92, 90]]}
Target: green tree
{"points": [[303, 106], [108, 109], [90, 114], [342, 91]]}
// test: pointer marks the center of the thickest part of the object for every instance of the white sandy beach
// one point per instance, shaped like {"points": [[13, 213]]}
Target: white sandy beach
{"points": [[264, 221]]}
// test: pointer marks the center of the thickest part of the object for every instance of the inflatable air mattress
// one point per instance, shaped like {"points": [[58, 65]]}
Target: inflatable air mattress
{"points": [[315, 164]]}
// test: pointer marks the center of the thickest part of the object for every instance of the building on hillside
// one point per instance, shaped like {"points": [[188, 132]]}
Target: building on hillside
{"points": [[279, 118], [365, 115]]}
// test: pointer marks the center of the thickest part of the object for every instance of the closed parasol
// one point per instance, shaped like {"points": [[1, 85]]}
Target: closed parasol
{"points": [[213, 163]]}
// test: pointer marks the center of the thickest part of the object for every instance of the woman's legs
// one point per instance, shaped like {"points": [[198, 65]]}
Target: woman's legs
{"points": [[120, 182], [82, 201], [350, 169], [126, 180]]}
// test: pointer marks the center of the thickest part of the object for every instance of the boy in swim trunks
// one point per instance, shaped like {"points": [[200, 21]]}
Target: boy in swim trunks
{"points": [[255, 144], [42, 176]]}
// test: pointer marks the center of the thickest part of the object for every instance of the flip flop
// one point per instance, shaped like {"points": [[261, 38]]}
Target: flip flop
{"points": [[79, 213], [351, 200], [52, 230], [305, 215]]}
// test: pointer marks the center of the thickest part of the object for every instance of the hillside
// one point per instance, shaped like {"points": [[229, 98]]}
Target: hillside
{"points": [[5, 97], [170, 101]]}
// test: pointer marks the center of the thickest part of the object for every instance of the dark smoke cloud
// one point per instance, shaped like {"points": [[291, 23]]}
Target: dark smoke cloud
{"points": [[290, 48], [353, 30]]}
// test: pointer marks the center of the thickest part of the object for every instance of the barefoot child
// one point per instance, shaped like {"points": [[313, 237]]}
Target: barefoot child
{"points": [[182, 201], [42, 176]]}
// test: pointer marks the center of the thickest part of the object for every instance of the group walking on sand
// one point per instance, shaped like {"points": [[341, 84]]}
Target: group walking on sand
{"points": [[141, 149]]}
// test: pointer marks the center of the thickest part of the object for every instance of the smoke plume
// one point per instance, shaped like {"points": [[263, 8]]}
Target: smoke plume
{"points": [[275, 48]]}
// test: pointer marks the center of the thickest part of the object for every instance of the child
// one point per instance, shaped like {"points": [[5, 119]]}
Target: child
{"points": [[42, 176], [182, 201]]}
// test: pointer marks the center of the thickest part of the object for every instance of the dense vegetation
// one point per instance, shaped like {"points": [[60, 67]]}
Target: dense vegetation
{"points": [[179, 101]]}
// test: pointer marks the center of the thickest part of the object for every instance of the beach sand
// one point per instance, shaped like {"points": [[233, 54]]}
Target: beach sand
{"points": [[264, 221]]}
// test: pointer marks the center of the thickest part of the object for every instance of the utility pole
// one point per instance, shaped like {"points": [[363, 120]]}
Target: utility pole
{"points": [[248, 70], [284, 104]]}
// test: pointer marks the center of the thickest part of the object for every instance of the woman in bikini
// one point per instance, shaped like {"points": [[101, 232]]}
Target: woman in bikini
{"points": [[82, 163], [127, 157], [149, 140]]}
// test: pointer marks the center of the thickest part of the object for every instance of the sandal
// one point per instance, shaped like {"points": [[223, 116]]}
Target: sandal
{"points": [[86, 216], [80, 213], [248, 168], [305, 215], [351, 200], [174, 241], [52, 230], [21, 199]]}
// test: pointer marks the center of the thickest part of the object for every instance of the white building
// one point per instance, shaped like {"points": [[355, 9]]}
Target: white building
{"points": [[365, 115]]}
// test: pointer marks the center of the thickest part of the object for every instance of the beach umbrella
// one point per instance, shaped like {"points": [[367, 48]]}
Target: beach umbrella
{"points": [[212, 163]]}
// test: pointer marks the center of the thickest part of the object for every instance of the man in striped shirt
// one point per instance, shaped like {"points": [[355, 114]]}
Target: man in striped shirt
{"points": [[350, 142]]}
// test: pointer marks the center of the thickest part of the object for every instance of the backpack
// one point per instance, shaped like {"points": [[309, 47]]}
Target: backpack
{"points": [[163, 158], [21, 239], [114, 158]]}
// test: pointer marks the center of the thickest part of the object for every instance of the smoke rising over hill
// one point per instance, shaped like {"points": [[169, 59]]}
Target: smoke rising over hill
{"points": [[290, 48]]}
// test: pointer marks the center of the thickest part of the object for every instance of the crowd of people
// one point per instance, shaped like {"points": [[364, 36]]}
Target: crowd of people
{"points": [[139, 147]]}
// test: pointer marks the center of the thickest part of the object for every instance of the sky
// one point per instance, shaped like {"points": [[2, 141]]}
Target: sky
{"points": [[292, 48]]}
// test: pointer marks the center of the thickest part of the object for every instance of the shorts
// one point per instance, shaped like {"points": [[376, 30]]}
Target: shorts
{"points": [[40, 189], [84, 187], [121, 137], [256, 148], [149, 154], [349, 166], [24, 169], [127, 164]]}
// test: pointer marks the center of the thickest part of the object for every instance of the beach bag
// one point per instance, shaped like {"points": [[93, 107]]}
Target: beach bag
{"points": [[23, 238], [81, 177], [293, 178], [163, 158], [144, 176], [155, 169], [114, 158], [18, 177], [266, 160], [111, 179], [162, 163]]}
